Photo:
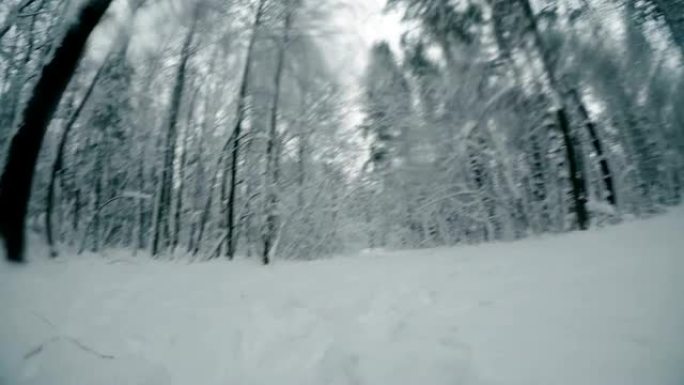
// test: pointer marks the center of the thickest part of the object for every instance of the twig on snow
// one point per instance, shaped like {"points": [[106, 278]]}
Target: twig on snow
{"points": [[89, 349], [36, 350]]}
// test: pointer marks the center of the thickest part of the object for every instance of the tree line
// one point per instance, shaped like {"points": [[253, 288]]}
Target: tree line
{"points": [[490, 120]]}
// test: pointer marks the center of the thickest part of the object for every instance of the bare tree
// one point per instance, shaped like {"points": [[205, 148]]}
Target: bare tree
{"points": [[162, 228], [273, 147], [231, 239]]}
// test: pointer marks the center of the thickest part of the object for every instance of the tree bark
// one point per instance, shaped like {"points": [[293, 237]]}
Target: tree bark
{"points": [[15, 183]]}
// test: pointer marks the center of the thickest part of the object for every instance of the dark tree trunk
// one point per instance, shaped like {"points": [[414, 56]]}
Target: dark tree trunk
{"points": [[15, 183], [226, 165], [561, 94], [577, 182], [142, 213], [77, 211], [162, 229], [597, 145]]}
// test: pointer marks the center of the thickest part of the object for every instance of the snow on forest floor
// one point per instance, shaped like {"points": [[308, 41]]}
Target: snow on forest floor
{"points": [[603, 307]]}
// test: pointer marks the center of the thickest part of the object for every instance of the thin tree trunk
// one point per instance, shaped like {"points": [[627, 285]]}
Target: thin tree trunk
{"points": [[301, 172], [96, 213], [198, 225], [79, 200], [207, 206], [146, 210], [272, 152], [181, 174], [141, 204], [15, 183], [162, 227], [100, 182], [577, 178], [596, 143], [241, 109], [604, 166], [223, 198]]}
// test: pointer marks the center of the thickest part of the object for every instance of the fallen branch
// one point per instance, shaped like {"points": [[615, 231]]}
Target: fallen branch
{"points": [[44, 319], [38, 349], [88, 349]]}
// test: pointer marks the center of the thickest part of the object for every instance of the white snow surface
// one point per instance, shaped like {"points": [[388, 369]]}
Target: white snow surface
{"points": [[604, 307]]}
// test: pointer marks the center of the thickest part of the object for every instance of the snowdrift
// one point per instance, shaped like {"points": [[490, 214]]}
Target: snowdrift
{"points": [[604, 307]]}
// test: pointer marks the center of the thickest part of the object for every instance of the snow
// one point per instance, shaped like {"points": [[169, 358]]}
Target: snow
{"points": [[603, 307]]}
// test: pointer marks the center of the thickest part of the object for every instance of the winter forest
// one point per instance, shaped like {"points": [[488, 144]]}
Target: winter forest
{"points": [[213, 128], [268, 131]]}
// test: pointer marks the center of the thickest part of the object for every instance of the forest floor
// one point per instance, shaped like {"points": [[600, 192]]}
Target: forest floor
{"points": [[605, 307]]}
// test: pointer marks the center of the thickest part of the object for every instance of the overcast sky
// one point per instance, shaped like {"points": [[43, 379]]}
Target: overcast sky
{"points": [[356, 26], [362, 23]]}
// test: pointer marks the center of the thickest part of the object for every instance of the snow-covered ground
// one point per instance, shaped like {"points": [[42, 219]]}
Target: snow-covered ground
{"points": [[604, 307]]}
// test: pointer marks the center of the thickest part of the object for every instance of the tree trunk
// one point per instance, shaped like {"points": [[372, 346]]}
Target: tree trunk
{"points": [[597, 145], [302, 149], [162, 227], [15, 183], [204, 218], [237, 132], [141, 204], [561, 93], [576, 176], [181, 174], [272, 152], [100, 180]]}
